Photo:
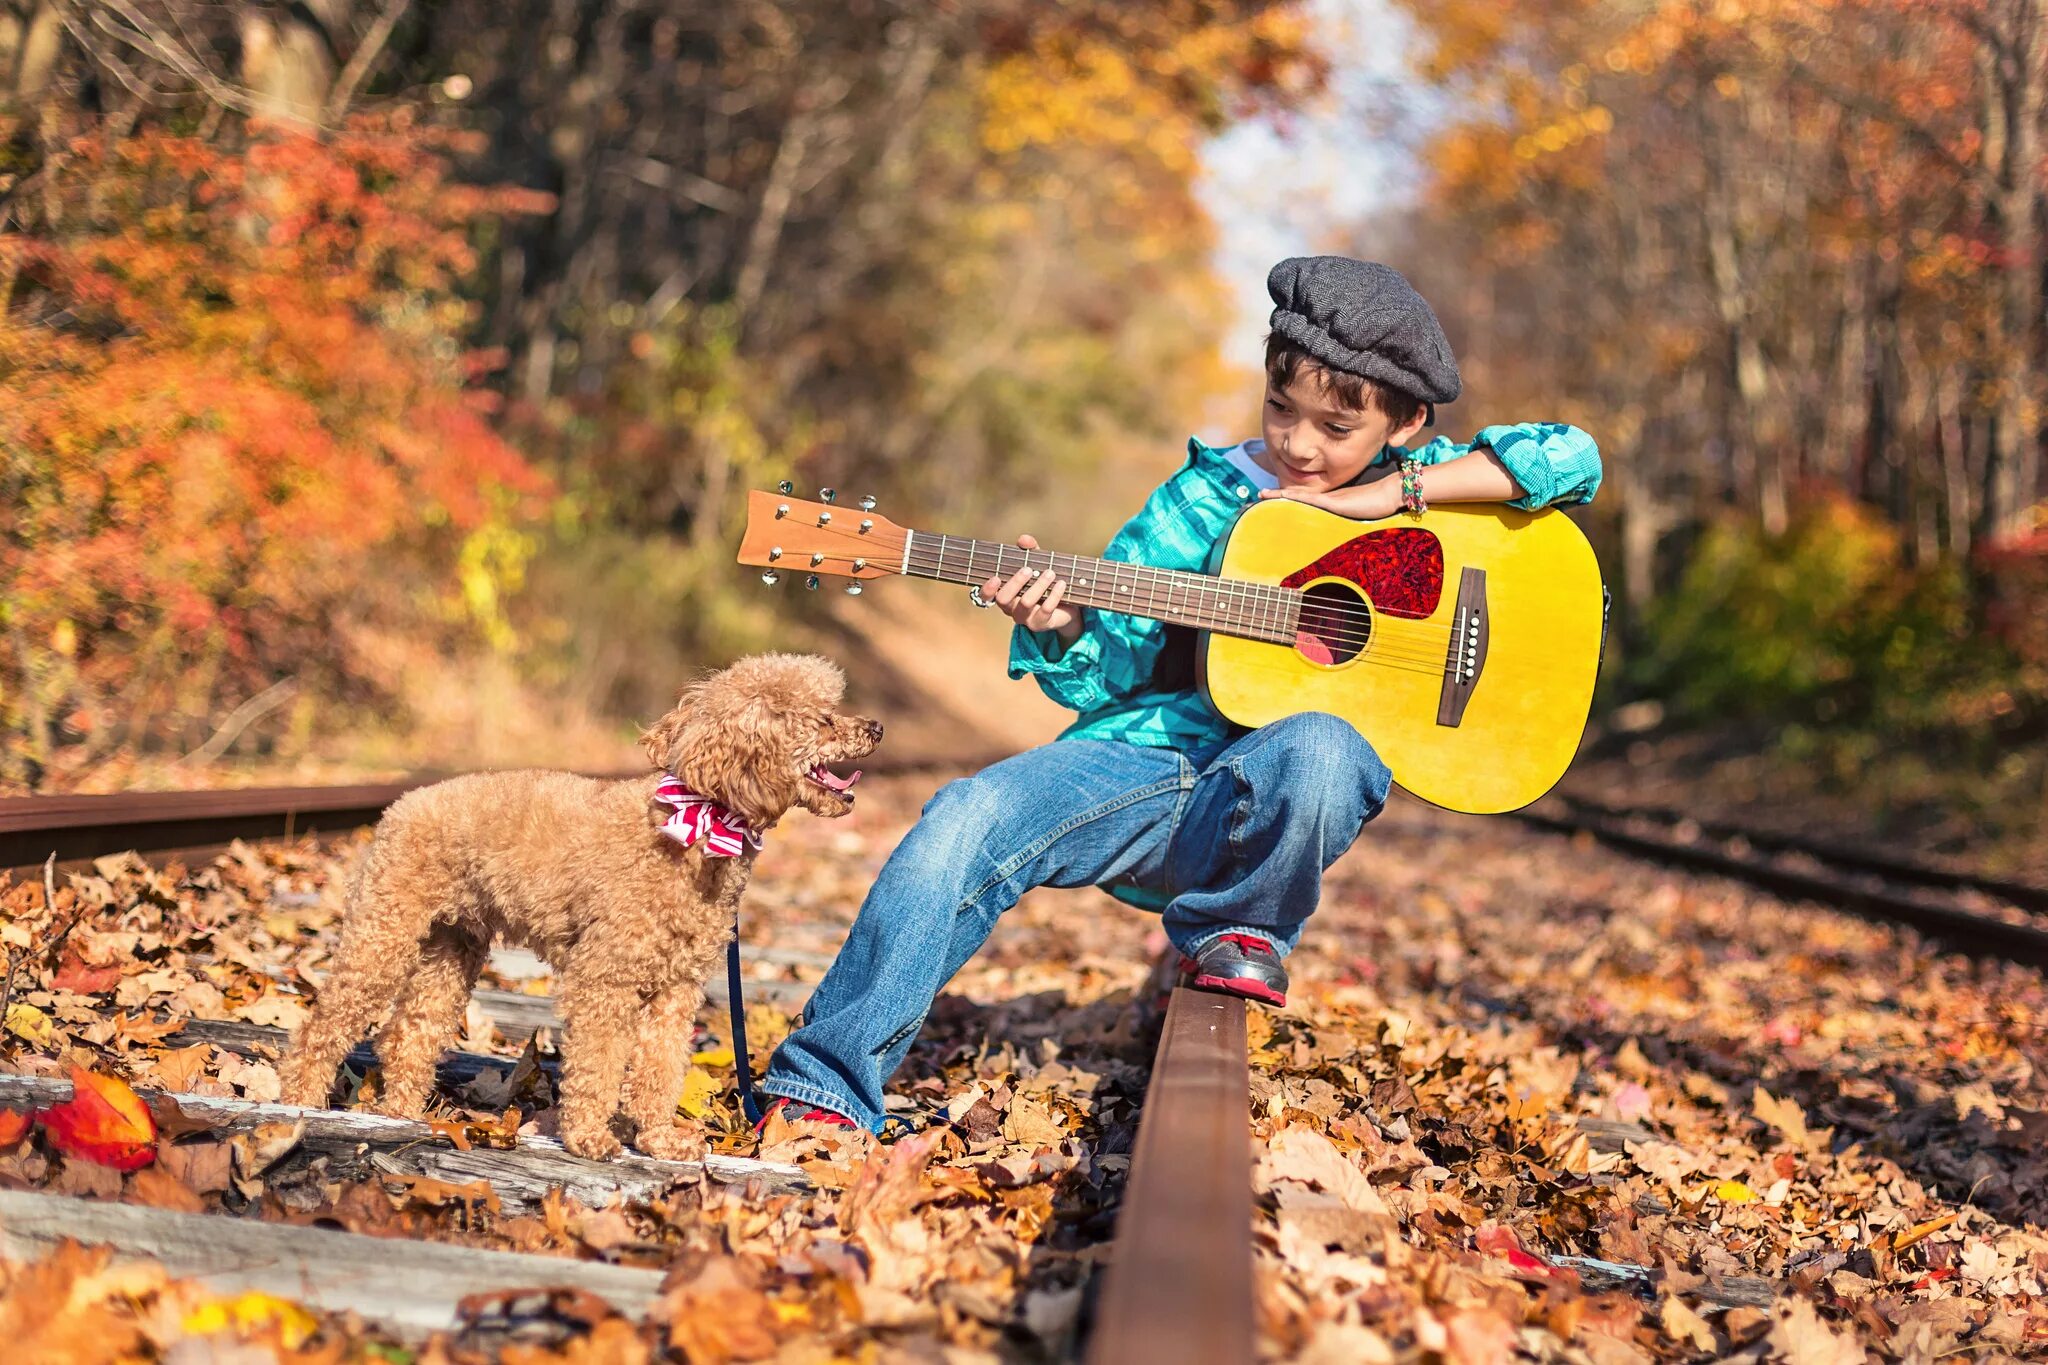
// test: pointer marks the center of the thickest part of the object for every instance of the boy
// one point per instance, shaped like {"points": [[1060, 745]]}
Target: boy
{"points": [[1150, 794]]}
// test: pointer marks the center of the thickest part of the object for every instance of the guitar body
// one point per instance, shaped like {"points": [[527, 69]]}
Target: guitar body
{"points": [[1522, 593]]}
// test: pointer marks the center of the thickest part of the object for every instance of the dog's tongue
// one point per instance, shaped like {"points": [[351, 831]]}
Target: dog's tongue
{"points": [[833, 780]]}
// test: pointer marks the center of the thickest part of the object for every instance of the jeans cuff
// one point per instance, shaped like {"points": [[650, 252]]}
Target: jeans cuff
{"points": [[823, 1099], [1199, 941]]}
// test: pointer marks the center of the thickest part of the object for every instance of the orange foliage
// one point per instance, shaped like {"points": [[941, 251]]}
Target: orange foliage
{"points": [[234, 385], [104, 1122]]}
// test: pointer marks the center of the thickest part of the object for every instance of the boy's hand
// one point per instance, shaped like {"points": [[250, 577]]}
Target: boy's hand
{"points": [[1360, 502], [1032, 598]]}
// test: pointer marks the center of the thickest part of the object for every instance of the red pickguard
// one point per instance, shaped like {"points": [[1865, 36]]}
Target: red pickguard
{"points": [[1401, 569]]}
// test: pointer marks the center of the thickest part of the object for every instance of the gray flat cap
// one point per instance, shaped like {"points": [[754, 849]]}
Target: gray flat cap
{"points": [[1363, 317]]}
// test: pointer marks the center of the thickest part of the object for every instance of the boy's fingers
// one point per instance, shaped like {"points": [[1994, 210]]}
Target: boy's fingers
{"points": [[1052, 599], [1027, 542], [1006, 595]]}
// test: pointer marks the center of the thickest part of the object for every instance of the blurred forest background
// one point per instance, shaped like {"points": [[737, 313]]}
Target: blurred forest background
{"points": [[379, 380]]}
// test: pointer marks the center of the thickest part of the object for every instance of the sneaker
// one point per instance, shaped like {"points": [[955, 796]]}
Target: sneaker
{"points": [[1238, 964], [795, 1111]]}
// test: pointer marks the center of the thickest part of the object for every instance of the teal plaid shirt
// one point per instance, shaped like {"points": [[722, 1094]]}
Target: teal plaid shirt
{"points": [[1106, 674]]}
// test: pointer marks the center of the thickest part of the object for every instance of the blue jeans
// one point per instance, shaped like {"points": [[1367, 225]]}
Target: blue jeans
{"points": [[1237, 838]]}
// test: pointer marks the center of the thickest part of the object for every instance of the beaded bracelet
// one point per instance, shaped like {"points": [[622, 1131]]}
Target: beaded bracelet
{"points": [[1411, 488]]}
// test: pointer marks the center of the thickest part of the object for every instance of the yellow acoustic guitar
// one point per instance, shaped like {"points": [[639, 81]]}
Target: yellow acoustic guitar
{"points": [[1463, 643]]}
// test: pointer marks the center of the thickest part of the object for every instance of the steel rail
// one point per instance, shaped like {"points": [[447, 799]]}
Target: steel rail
{"points": [[1179, 1285], [78, 829], [2023, 894], [1966, 931]]}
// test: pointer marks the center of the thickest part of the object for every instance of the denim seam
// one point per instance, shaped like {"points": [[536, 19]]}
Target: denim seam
{"points": [[907, 1031], [1241, 810], [1007, 870]]}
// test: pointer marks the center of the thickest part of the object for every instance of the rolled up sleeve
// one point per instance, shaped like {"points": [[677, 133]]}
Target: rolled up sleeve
{"points": [[1557, 464]]}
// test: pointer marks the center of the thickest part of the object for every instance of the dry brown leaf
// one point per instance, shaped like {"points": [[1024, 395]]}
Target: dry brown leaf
{"points": [[1683, 1325], [179, 1069], [1307, 1157], [160, 1189], [1802, 1338]]}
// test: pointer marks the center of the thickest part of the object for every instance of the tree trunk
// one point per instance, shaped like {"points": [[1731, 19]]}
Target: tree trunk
{"points": [[1748, 376], [2012, 115], [29, 44], [288, 57]]}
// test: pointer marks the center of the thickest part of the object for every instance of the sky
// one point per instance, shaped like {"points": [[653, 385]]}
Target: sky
{"points": [[1299, 190]]}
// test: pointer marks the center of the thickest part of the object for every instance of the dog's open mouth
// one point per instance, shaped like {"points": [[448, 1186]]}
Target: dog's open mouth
{"points": [[833, 782]]}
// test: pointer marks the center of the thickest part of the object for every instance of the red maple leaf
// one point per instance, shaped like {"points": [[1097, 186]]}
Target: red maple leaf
{"points": [[104, 1122]]}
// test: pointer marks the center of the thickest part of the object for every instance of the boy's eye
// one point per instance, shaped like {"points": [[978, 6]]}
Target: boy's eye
{"points": [[1339, 431], [1276, 405]]}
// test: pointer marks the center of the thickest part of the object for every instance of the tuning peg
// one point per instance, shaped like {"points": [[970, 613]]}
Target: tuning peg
{"points": [[827, 494], [775, 552], [853, 589], [785, 488], [867, 502], [770, 577], [817, 558], [811, 581]]}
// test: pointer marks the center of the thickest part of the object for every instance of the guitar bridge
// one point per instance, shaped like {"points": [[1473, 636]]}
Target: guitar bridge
{"points": [[1466, 658]]}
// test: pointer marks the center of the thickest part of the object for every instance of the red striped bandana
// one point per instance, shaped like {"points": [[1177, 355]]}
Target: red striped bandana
{"points": [[699, 817]]}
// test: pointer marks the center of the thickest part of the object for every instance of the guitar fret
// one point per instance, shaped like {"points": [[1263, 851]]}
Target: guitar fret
{"points": [[1256, 611]]}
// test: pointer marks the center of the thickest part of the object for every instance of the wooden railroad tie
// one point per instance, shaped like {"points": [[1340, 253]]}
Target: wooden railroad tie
{"points": [[412, 1288], [520, 1177]]}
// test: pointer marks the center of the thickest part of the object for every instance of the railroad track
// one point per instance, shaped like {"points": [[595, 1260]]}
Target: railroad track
{"points": [[1975, 914], [77, 829], [1179, 1283]]}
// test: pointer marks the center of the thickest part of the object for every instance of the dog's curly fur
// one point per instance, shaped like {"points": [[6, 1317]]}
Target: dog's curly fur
{"points": [[577, 869]]}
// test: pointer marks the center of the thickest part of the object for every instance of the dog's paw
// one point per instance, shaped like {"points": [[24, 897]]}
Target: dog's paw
{"points": [[667, 1142], [596, 1145]]}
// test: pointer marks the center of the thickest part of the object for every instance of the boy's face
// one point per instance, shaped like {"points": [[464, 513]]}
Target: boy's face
{"points": [[1315, 443]]}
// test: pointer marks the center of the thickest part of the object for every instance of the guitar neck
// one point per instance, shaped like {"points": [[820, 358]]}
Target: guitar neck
{"points": [[1257, 611]]}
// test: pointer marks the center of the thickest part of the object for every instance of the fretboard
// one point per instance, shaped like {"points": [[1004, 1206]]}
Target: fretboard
{"points": [[1258, 611]]}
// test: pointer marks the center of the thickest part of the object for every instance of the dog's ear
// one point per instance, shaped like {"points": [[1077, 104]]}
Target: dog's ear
{"points": [[663, 740]]}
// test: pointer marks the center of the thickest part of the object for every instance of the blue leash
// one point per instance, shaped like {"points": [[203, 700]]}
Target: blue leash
{"points": [[736, 1006]]}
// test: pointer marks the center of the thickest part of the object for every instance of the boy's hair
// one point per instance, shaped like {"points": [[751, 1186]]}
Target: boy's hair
{"points": [[1285, 361]]}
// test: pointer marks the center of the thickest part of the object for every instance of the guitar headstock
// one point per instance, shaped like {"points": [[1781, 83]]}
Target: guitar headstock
{"points": [[789, 534]]}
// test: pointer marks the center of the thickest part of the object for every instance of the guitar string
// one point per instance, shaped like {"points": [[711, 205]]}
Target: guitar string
{"points": [[1383, 626], [1381, 651], [1256, 598], [1387, 650]]}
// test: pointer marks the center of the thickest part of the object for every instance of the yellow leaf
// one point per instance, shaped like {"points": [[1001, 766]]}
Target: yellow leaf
{"points": [[1733, 1192], [26, 1021], [700, 1090], [252, 1312], [713, 1056]]}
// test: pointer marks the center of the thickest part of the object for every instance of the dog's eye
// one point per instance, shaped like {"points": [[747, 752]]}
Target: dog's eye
{"points": [[825, 721]]}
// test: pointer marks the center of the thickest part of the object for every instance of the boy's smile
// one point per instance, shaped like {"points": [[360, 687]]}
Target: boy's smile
{"points": [[1314, 442]]}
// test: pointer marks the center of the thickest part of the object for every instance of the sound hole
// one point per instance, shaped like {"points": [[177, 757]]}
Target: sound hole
{"points": [[1335, 623]]}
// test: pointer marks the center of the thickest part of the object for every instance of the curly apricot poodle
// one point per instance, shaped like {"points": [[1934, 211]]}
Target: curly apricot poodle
{"points": [[594, 876]]}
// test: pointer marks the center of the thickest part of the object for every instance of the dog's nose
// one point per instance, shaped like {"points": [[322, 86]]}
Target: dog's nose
{"points": [[875, 731]]}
